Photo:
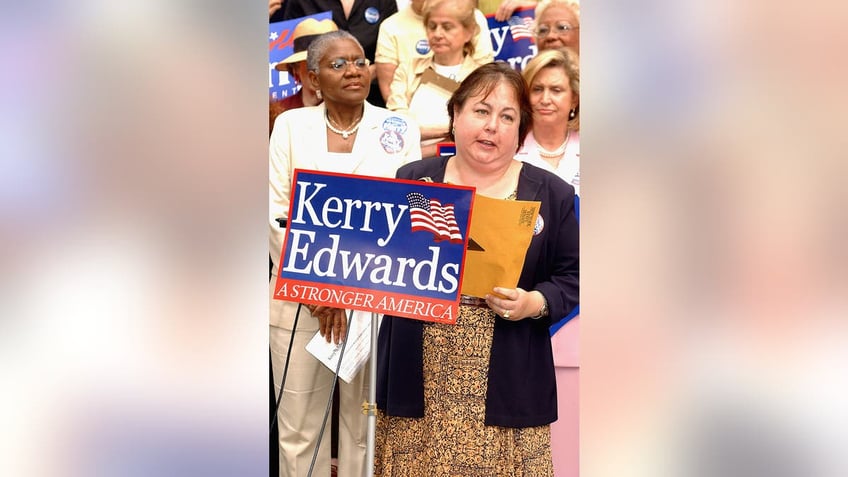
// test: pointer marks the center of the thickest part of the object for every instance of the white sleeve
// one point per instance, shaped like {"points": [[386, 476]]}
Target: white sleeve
{"points": [[279, 179]]}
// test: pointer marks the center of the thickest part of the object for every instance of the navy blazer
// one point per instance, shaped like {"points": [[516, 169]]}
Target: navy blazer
{"points": [[522, 384]]}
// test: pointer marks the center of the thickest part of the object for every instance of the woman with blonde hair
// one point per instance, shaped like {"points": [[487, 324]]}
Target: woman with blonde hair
{"points": [[553, 79], [423, 86]]}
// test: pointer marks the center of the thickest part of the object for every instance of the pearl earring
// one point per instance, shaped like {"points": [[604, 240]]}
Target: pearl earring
{"points": [[572, 114], [318, 94]]}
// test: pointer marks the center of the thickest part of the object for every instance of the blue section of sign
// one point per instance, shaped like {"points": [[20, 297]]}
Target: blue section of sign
{"points": [[512, 40], [558, 325], [368, 233], [280, 47]]}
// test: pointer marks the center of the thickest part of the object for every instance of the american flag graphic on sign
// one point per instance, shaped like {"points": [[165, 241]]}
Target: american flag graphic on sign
{"points": [[431, 216], [520, 27]]}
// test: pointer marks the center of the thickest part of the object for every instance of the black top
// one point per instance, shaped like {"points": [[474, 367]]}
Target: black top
{"points": [[363, 23]]}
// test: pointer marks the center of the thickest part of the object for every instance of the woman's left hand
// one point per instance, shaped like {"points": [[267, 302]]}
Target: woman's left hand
{"points": [[515, 304], [332, 322]]}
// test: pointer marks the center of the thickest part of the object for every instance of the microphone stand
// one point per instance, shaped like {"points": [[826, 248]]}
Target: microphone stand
{"points": [[370, 408]]}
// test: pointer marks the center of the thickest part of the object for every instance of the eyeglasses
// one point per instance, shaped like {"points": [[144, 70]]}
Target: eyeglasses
{"points": [[560, 28], [341, 63]]}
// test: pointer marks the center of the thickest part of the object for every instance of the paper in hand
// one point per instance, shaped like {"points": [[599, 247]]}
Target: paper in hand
{"points": [[355, 354], [500, 234]]}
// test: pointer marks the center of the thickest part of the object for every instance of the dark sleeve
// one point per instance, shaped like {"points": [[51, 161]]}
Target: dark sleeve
{"points": [[552, 263], [407, 171], [562, 244]]}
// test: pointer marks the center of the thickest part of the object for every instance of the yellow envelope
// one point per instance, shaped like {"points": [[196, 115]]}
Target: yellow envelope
{"points": [[498, 240]]}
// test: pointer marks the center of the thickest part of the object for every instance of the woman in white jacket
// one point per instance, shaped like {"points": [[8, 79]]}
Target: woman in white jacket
{"points": [[344, 134]]}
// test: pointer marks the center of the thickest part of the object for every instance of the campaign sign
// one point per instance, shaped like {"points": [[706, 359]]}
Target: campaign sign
{"points": [[280, 47], [513, 40], [389, 246]]}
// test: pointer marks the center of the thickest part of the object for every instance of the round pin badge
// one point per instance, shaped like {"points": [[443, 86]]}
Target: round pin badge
{"points": [[540, 225], [395, 123], [422, 47], [372, 15], [391, 141]]}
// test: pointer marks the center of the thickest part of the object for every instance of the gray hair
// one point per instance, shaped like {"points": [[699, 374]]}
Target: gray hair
{"points": [[319, 47], [573, 5]]}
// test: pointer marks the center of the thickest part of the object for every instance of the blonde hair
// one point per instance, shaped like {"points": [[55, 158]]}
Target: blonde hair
{"points": [[564, 58], [463, 10]]}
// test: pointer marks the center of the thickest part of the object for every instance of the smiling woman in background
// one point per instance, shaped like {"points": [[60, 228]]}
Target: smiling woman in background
{"points": [[343, 134], [477, 398]]}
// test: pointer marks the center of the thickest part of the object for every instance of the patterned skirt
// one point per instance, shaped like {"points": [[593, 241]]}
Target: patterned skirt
{"points": [[451, 439]]}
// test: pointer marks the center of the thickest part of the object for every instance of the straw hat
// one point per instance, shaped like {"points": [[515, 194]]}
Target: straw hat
{"points": [[304, 33]]}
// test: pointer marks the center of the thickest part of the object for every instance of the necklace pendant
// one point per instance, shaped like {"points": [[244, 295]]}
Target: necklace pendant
{"points": [[345, 135]]}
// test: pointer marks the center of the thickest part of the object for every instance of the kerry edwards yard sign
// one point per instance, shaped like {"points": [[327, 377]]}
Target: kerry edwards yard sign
{"points": [[389, 246]]}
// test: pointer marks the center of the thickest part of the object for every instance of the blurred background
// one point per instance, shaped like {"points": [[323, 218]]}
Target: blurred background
{"points": [[133, 243]]}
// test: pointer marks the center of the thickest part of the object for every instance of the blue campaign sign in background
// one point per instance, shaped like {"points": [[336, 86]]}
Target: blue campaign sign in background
{"points": [[513, 40], [386, 237], [281, 46]]}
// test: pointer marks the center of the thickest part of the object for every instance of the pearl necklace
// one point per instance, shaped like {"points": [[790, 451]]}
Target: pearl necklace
{"points": [[556, 152], [343, 134]]}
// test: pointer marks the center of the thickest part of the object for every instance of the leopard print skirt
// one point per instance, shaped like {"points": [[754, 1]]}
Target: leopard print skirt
{"points": [[451, 439]]}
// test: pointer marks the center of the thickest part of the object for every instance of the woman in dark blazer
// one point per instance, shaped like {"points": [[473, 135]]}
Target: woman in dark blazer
{"points": [[478, 397]]}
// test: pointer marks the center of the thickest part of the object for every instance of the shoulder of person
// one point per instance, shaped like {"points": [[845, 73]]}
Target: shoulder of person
{"points": [[392, 22], [472, 62], [299, 114], [552, 182], [424, 169], [420, 64]]}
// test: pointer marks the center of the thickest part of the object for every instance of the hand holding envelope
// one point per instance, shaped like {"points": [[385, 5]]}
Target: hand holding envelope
{"points": [[498, 240]]}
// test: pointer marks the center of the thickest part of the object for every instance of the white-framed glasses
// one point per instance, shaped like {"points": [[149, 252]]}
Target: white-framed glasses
{"points": [[561, 28], [341, 63]]}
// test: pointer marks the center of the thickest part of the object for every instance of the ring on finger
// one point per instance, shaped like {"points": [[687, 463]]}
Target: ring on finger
{"points": [[506, 314]]}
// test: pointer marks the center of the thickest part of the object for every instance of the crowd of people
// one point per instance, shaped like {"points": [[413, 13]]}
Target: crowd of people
{"points": [[474, 398]]}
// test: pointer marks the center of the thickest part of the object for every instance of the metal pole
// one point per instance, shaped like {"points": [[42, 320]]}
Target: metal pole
{"points": [[370, 407]]}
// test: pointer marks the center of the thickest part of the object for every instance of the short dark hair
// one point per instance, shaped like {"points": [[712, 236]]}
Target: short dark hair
{"points": [[483, 81]]}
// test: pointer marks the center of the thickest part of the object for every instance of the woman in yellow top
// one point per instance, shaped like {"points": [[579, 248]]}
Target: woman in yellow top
{"points": [[423, 86]]}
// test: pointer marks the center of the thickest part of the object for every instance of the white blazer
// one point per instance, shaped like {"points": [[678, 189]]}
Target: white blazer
{"points": [[384, 141]]}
